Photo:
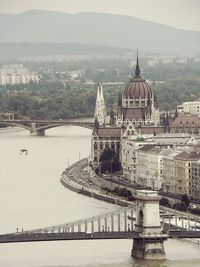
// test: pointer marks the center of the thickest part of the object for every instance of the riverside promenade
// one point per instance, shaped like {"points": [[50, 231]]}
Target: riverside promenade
{"points": [[77, 180]]}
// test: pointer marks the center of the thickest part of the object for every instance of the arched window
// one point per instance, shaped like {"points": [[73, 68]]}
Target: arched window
{"points": [[113, 145], [101, 145], [118, 145], [95, 145], [107, 145], [133, 121]]}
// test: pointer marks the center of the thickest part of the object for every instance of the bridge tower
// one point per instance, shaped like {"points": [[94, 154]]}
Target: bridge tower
{"points": [[149, 243]]}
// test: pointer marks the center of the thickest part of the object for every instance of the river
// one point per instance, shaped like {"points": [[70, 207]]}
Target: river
{"points": [[32, 196]]}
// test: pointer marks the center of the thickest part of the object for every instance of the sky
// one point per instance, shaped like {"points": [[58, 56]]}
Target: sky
{"points": [[182, 14]]}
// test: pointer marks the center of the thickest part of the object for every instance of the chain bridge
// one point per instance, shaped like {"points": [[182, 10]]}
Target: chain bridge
{"points": [[143, 222], [38, 127]]}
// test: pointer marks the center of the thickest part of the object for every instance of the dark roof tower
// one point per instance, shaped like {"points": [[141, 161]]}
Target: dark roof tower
{"points": [[137, 68], [137, 88]]}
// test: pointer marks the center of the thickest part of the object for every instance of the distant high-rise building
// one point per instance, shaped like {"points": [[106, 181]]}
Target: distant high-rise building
{"points": [[16, 74]]}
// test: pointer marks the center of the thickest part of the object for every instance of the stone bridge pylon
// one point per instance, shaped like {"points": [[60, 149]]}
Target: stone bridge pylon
{"points": [[149, 244]]}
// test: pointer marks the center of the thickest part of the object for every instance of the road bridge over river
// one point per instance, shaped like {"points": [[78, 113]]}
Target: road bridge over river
{"points": [[38, 127], [132, 222]]}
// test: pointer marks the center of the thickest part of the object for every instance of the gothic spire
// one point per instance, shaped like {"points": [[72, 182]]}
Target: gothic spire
{"points": [[98, 92], [100, 109], [137, 69], [101, 92]]}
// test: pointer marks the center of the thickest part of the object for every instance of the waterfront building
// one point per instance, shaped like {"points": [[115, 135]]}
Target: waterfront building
{"points": [[169, 184], [155, 150], [138, 114], [150, 174], [183, 173], [177, 172], [192, 108], [195, 181], [103, 138], [185, 124], [130, 146], [138, 106]]}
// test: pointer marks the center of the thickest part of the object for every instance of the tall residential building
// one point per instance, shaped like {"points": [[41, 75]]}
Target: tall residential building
{"points": [[129, 156], [16, 74], [177, 172], [150, 165], [195, 181]]}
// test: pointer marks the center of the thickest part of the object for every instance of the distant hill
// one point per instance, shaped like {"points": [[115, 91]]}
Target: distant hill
{"points": [[20, 50], [94, 28]]}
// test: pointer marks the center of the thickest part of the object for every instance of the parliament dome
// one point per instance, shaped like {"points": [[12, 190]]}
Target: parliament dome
{"points": [[137, 88]]}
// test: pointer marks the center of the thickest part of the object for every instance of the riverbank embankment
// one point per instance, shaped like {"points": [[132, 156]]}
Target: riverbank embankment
{"points": [[74, 179]]}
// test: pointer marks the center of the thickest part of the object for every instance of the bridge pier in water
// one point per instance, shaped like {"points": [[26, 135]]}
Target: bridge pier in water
{"points": [[36, 132], [149, 243]]}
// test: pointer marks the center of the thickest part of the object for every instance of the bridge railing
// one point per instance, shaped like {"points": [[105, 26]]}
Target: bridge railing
{"points": [[110, 221], [174, 219], [122, 220]]}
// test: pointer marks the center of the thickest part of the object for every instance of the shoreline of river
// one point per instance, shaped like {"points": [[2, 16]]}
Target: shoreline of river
{"points": [[72, 184]]}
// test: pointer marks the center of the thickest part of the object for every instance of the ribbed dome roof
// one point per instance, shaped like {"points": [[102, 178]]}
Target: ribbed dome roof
{"points": [[137, 87]]}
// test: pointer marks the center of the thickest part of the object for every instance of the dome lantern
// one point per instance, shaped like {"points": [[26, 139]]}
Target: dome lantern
{"points": [[137, 68]]}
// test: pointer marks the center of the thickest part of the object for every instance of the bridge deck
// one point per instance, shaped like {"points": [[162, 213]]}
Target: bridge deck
{"points": [[33, 237]]}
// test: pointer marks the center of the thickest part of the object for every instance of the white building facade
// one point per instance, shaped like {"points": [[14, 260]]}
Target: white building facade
{"points": [[192, 108], [17, 74]]}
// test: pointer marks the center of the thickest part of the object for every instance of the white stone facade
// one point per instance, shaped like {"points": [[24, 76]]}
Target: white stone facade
{"points": [[150, 166], [16, 74], [195, 181], [129, 156], [192, 108]]}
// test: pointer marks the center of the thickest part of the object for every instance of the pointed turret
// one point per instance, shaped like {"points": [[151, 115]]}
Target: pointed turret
{"points": [[166, 122], [98, 93], [101, 92], [137, 68], [112, 117], [176, 113], [100, 110]]}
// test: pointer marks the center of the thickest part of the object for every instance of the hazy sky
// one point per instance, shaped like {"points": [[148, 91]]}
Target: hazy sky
{"points": [[178, 13]]}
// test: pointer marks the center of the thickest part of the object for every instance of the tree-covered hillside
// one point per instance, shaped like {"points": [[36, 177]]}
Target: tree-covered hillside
{"points": [[61, 98]]}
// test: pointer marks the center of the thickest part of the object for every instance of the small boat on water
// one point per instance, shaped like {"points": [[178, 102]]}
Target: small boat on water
{"points": [[23, 151]]}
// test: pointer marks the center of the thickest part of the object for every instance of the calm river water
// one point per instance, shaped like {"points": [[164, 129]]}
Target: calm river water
{"points": [[31, 195]]}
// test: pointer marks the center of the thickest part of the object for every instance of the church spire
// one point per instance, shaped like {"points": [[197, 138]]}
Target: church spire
{"points": [[101, 92], [137, 69], [98, 93], [100, 109]]}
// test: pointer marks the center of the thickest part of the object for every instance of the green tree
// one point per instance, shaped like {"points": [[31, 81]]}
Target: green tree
{"points": [[164, 202], [109, 161], [185, 200]]}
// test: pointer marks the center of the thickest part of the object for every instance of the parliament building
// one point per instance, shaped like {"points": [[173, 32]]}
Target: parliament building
{"points": [[138, 114]]}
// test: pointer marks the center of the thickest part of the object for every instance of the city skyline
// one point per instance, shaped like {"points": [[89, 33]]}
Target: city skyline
{"points": [[179, 13]]}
